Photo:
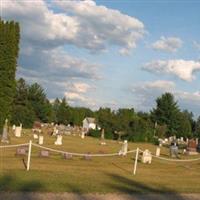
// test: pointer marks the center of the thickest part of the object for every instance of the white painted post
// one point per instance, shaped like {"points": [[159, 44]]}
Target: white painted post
{"points": [[29, 155], [136, 159]]}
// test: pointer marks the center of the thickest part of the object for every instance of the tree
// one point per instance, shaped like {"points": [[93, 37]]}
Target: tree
{"points": [[62, 112], [166, 112], [197, 128], [39, 102], [22, 110], [9, 48]]}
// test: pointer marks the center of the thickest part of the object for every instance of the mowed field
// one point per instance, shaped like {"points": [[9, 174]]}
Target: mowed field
{"points": [[98, 175]]}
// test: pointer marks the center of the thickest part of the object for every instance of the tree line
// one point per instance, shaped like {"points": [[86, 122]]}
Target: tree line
{"points": [[166, 119]]}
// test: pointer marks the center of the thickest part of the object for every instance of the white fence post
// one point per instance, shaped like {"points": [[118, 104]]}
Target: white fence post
{"points": [[136, 159], [29, 155]]}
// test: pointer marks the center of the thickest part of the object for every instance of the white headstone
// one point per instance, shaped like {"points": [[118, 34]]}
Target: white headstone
{"points": [[13, 128], [146, 156], [124, 149], [35, 136], [82, 134], [158, 151], [182, 139], [58, 140], [41, 139], [18, 131]]}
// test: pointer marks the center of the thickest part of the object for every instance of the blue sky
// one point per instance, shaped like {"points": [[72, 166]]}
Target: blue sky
{"points": [[110, 53]]}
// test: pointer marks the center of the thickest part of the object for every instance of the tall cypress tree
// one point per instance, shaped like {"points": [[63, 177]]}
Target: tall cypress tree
{"points": [[9, 49]]}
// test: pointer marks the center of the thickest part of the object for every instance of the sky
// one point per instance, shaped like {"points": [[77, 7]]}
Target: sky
{"points": [[111, 53]]}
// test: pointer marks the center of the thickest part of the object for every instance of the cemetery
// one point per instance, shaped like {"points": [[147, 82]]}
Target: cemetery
{"points": [[73, 160]]}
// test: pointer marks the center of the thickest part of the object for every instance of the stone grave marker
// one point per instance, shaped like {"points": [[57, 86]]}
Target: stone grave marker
{"points": [[44, 153], [4, 138], [87, 157], [67, 156], [41, 140], [21, 151], [124, 149], [18, 131], [58, 140], [146, 157], [158, 151], [192, 147]]}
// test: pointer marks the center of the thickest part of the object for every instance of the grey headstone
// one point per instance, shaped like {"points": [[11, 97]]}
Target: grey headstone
{"points": [[44, 153], [4, 138]]}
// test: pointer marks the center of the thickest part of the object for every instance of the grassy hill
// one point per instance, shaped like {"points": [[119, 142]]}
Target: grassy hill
{"points": [[99, 175]]}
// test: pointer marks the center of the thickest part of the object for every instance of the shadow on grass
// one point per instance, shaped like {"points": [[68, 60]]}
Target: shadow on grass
{"points": [[19, 189], [139, 190]]}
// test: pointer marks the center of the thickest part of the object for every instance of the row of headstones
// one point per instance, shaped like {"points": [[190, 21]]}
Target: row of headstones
{"points": [[40, 139], [23, 151]]}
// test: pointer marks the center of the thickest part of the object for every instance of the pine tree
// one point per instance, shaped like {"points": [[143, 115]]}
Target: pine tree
{"points": [[9, 48]]}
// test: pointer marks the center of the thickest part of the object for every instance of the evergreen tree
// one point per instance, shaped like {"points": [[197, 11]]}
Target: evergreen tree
{"points": [[9, 48], [167, 112]]}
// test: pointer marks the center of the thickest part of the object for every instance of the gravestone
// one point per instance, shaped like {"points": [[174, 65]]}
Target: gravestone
{"points": [[192, 147], [173, 150], [58, 140], [41, 140], [13, 127], [103, 137], [87, 157], [44, 153], [35, 136], [82, 134], [67, 156], [124, 149], [4, 138], [158, 151], [146, 157], [21, 151], [18, 131]]}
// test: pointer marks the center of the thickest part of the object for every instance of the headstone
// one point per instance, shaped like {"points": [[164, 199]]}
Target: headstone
{"points": [[67, 156], [82, 134], [146, 156], [158, 151], [58, 140], [103, 137], [4, 138], [124, 149], [173, 150], [18, 131], [44, 153], [21, 151], [87, 156], [197, 141], [13, 127], [41, 139], [187, 140], [182, 140], [192, 147], [35, 136]]}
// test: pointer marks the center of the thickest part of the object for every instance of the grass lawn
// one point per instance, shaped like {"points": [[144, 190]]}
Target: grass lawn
{"points": [[99, 175]]}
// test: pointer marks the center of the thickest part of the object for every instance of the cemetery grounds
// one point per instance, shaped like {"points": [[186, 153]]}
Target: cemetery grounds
{"points": [[99, 175]]}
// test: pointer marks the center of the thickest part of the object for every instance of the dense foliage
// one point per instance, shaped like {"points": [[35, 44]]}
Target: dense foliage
{"points": [[9, 48]]}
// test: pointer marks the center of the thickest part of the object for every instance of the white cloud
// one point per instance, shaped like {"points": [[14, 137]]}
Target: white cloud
{"points": [[170, 44], [183, 69], [81, 23]]}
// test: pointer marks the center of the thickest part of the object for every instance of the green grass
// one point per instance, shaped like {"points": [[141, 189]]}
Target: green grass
{"points": [[99, 175]]}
